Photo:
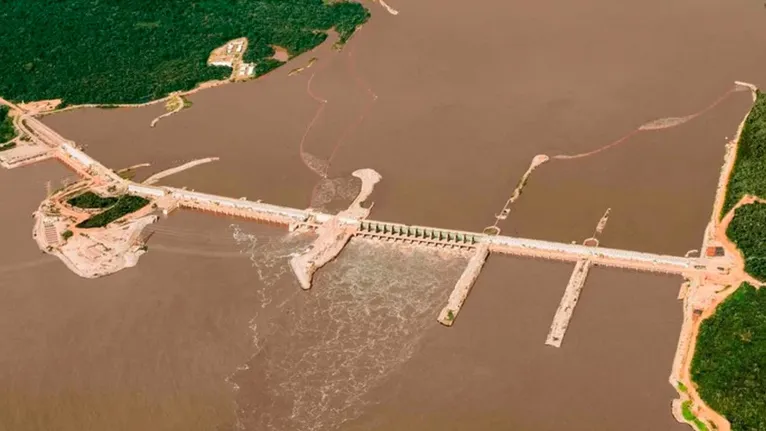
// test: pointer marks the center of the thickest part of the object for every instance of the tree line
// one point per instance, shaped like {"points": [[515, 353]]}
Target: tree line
{"points": [[133, 51], [7, 131], [729, 364], [748, 176], [125, 205]]}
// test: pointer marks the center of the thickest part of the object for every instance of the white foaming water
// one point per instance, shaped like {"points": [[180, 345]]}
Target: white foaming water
{"points": [[269, 254], [363, 319]]}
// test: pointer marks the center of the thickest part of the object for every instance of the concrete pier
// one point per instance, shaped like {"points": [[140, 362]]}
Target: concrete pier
{"points": [[568, 302], [463, 286], [333, 236]]}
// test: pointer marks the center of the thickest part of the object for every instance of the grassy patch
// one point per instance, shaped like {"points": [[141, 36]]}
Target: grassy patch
{"points": [[125, 205], [133, 51], [686, 411], [748, 177], [682, 387], [729, 365], [748, 230], [91, 200], [7, 131]]}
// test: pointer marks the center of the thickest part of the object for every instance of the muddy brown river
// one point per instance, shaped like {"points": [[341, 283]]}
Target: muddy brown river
{"points": [[449, 102]]}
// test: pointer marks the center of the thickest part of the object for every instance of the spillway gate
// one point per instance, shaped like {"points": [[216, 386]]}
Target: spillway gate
{"points": [[418, 234]]}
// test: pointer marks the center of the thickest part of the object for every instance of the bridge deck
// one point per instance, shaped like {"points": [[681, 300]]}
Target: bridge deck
{"points": [[599, 255], [82, 162]]}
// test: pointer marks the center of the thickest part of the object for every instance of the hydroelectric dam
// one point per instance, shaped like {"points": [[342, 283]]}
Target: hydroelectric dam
{"points": [[334, 231]]}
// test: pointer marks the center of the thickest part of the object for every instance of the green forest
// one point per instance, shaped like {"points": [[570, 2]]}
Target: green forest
{"points": [[729, 364], [134, 51], [125, 205], [7, 131], [748, 175], [91, 200], [748, 231]]}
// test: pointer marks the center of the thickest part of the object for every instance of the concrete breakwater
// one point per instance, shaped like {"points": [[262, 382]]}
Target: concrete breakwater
{"points": [[567, 305], [333, 236], [463, 286]]}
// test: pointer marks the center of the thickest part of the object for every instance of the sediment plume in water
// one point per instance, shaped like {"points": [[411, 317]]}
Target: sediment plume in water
{"points": [[363, 320]]}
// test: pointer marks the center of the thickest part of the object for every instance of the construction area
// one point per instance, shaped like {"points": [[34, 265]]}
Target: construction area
{"points": [[230, 55]]}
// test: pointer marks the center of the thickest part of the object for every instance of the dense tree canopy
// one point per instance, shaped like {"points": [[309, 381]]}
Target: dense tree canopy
{"points": [[748, 231], [125, 205], [749, 174], [7, 131], [91, 200], [729, 364], [133, 51]]}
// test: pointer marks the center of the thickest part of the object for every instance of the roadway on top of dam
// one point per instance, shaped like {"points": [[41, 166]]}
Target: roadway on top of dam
{"points": [[369, 228]]}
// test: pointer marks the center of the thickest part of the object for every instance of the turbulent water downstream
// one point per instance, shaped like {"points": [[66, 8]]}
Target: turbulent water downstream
{"points": [[364, 318]]}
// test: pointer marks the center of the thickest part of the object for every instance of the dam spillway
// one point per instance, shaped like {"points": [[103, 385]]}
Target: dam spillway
{"points": [[335, 231]]}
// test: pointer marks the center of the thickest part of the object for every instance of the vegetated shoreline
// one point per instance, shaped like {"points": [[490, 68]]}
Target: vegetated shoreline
{"points": [[747, 175], [121, 70], [7, 130], [42, 108], [708, 362], [728, 366]]}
